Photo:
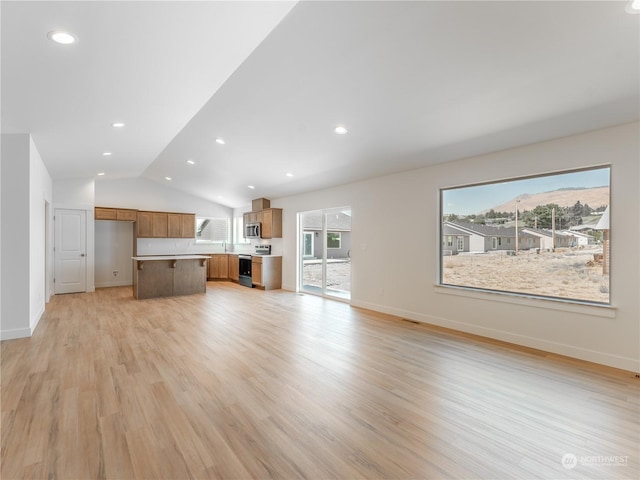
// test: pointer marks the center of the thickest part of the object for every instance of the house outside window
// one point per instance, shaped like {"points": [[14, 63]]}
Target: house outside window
{"points": [[460, 245]]}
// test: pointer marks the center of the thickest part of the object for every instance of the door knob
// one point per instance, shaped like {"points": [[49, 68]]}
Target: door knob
{"points": [[82, 254]]}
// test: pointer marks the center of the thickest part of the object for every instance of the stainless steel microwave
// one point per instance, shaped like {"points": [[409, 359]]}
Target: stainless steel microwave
{"points": [[252, 230]]}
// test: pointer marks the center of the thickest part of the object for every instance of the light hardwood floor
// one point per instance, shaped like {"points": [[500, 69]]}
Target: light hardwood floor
{"points": [[239, 383]]}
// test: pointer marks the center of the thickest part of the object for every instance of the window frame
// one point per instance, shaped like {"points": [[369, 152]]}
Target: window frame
{"points": [[211, 241], [598, 308]]}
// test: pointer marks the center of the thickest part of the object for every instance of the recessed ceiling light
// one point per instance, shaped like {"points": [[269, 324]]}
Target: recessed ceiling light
{"points": [[117, 125], [633, 6], [191, 162], [106, 154], [289, 174], [220, 141], [100, 174], [251, 187], [64, 38], [340, 130], [168, 179]]}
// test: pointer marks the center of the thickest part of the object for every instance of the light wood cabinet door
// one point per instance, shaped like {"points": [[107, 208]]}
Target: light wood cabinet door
{"points": [[219, 266], [144, 221], [121, 214], [271, 223], [126, 214], [256, 273], [159, 225], [187, 225], [101, 213], [234, 268], [251, 217], [174, 222]]}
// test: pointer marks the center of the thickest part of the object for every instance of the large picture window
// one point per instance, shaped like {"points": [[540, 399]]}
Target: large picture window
{"points": [[545, 236]]}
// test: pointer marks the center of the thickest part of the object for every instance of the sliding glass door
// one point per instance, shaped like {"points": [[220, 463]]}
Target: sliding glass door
{"points": [[325, 252]]}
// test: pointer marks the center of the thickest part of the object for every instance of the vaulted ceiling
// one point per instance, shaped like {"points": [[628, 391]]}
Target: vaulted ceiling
{"points": [[415, 83]]}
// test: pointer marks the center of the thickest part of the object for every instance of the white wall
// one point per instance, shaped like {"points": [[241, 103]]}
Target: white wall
{"points": [[15, 237], [144, 194], [26, 186], [74, 193], [40, 239], [399, 277], [114, 249]]}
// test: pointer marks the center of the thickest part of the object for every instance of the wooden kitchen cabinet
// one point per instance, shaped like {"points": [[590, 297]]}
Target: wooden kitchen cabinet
{"points": [[187, 225], [144, 221], [126, 215], [266, 271], [152, 225], [181, 225], [251, 217], [271, 220], [121, 214], [219, 266], [160, 225], [234, 268], [102, 213], [165, 225], [174, 224]]}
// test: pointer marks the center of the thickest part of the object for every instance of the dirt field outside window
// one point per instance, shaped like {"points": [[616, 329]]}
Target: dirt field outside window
{"points": [[571, 273]]}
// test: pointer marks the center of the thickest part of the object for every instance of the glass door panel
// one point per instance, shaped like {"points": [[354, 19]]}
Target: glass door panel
{"points": [[325, 263]]}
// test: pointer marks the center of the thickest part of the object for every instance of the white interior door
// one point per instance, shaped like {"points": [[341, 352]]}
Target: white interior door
{"points": [[70, 251]]}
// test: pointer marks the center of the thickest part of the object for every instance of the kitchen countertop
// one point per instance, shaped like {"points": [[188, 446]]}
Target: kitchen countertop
{"points": [[172, 257]]}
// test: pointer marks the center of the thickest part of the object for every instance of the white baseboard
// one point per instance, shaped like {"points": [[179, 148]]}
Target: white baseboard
{"points": [[36, 320], [15, 333], [572, 351]]}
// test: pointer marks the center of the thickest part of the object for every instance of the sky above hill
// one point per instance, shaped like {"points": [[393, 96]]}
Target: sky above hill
{"points": [[478, 198]]}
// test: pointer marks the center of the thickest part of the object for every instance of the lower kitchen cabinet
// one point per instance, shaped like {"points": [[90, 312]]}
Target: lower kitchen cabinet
{"points": [[219, 266], [266, 271], [234, 268]]}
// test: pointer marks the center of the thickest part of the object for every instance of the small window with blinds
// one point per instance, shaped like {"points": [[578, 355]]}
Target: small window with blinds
{"points": [[212, 230]]}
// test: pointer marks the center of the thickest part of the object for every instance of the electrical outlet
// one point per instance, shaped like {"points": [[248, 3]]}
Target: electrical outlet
{"points": [[115, 273]]}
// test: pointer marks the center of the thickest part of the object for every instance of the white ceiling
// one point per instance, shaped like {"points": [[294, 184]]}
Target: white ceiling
{"points": [[416, 83]]}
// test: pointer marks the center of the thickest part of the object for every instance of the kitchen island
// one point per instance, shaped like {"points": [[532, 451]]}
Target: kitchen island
{"points": [[169, 275]]}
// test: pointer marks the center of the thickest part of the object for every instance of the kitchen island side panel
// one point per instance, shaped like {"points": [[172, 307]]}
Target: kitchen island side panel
{"points": [[154, 279], [189, 277]]}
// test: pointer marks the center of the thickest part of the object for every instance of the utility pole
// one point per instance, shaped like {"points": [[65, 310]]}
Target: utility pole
{"points": [[553, 228], [517, 202]]}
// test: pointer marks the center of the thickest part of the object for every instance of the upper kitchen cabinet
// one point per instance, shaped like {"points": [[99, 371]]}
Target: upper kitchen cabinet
{"points": [[160, 225], [165, 225], [271, 220], [144, 221], [152, 225], [126, 215], [181, 225], [251, 217], [121, 214]]}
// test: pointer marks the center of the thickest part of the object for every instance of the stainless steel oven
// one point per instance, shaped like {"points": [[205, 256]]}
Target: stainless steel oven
{"points": [[244, 264]]}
